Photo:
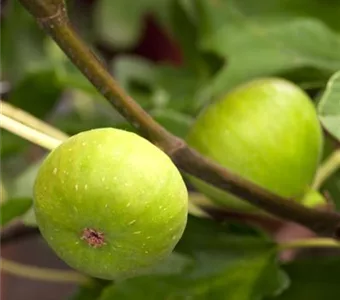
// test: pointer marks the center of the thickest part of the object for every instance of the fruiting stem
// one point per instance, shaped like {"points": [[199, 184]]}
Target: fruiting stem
{"points": [[28, 133], [310, 243], [43, 274], [331, 164], [31, 121], [52, 17]]}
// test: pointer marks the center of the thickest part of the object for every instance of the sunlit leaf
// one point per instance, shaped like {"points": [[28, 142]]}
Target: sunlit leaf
{"points": [[261, 45], [329, 106], [14, 208]]}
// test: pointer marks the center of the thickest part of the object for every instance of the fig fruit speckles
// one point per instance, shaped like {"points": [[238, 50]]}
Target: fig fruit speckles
{"points": [[110, 211]]}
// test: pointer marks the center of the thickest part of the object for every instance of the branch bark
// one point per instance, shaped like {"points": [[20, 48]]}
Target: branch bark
{"points": [[52, 17]]}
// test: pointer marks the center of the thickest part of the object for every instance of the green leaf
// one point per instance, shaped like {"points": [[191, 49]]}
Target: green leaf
{"points": [[14, 208], [11, 143], [137, 76], [22, 42], [161, 86], [120, 27], [332, 189], [316, 9], [329, 106], [316, 279], [186, 32], [263, 45], [225, 266], [40, 88], [177, 123], [90, 291], [22, 187]]}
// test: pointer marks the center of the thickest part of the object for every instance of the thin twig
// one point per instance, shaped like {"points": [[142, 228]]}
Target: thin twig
{"points": [[310, 243], [52, 17], [331, 164], [28, 133], [31, 121], [42, 274]]}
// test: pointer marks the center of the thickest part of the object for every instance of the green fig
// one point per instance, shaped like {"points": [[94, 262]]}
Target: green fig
{"points": [[110, 203], [266, 131]]}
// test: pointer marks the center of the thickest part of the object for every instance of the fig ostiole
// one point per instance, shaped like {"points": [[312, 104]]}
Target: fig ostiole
{"points": [[266, 131], [110, 203]]}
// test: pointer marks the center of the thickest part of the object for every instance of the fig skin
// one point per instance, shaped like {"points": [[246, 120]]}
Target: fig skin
{"points": [[266, 131], [110, 203]]}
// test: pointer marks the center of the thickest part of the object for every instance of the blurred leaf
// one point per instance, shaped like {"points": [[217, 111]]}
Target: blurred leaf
{"points": [[186, 33], [83, 112], [90, 291], [67, 74], [175, 263], [120, 27], [3, 192], [161, 86], [177, 123], [332, 188], [40, 88], [263, 45], [316, 279], [180, 89], [329, 106], [136, 75], [14, 208], [22, 187], [225, 266], [22, 42], [11, 144], [326, 10]]}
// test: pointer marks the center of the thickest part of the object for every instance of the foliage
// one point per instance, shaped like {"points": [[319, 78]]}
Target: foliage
{"points": [[222, 43]]}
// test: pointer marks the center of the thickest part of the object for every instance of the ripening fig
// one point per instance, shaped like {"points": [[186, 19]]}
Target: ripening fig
{"points": [[110, 203], [266, 131]]}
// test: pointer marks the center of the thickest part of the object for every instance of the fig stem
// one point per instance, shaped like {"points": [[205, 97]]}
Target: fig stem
{"points": [[52, 16], [31, 121], [28, 133], [310, 243], [331, 164], [43, 274]]}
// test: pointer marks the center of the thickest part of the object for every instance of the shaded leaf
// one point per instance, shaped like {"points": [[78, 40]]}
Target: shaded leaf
{"points": [[177, 123], [260, 45], [121, 27], [329, 106], [11, 144], [137, 76], [22, 187], [40, 88], [90, 291], [225, 266], [14, 208], [22, 42], [161, 86], [332, 189], [316, 279]]}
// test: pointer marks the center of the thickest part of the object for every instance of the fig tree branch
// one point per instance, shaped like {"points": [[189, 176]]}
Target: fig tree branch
{"points": [[51, 15]]}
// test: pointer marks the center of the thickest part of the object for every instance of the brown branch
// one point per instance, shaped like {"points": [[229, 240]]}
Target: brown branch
{"points": [[52, 17]]}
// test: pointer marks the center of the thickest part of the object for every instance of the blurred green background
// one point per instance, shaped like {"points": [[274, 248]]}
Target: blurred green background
{"points": [[173, 57]]}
